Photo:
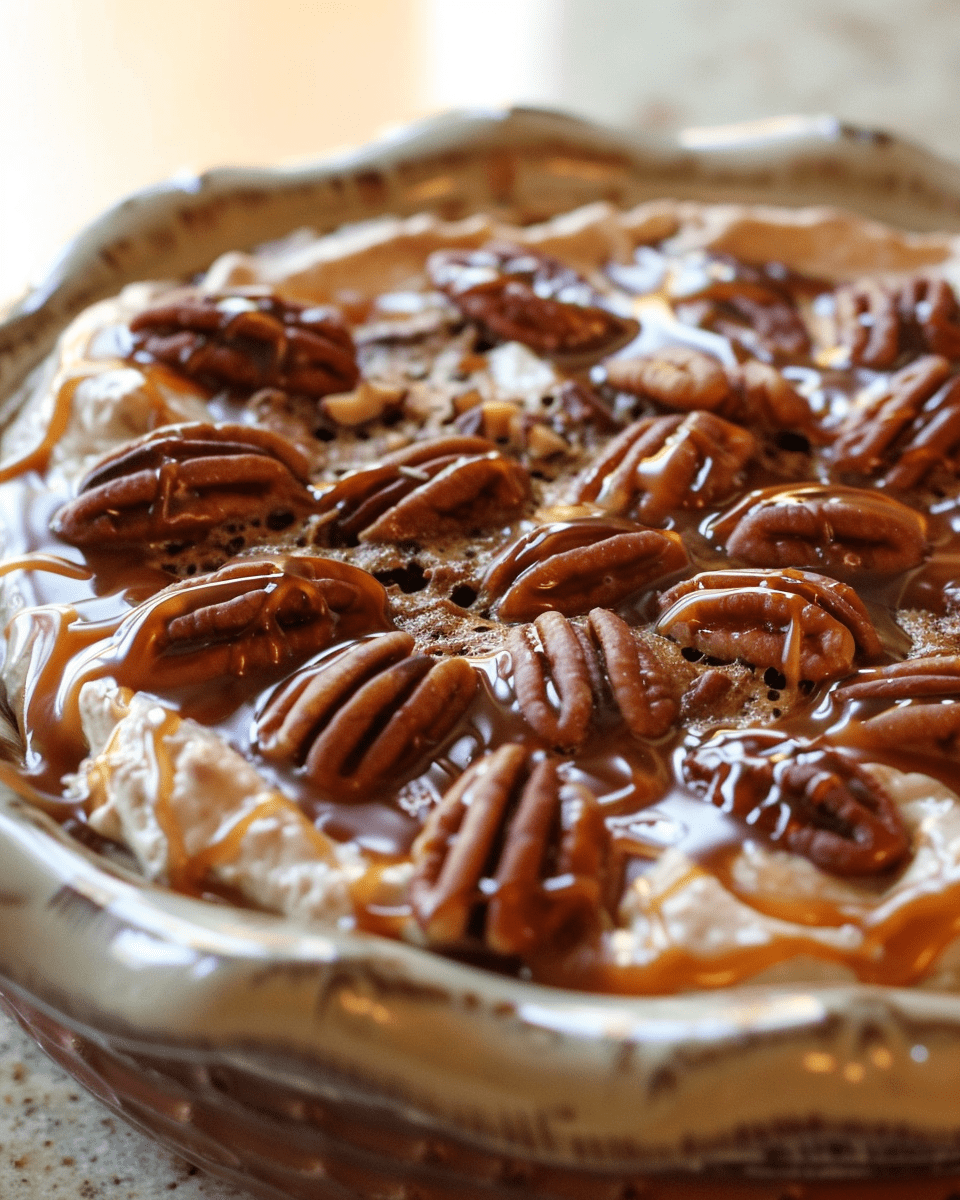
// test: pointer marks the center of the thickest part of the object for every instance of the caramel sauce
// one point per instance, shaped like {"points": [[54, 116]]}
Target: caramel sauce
{"points": [[80, 602]]}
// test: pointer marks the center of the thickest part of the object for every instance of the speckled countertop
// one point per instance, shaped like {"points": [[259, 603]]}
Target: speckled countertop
{"points": [[57, 1142]]}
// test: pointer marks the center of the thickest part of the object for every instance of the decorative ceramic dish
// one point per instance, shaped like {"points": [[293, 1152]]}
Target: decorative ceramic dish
{"points": [[320, 1064]]}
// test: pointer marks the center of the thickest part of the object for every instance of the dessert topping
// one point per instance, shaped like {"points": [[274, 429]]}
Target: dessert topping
{"points": [[846, 531], [247, 341], [509, 841], [878, 321], [358, 720], [903, 430], [815, 800], [573, 566], [805, 625], [936, 675], [428, 489], [517, 295], [660, 464], [180, 483], [254, 615], [588, 667]]}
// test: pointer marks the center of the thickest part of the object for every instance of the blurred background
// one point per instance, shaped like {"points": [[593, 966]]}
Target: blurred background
{"points": [[100, 97]]}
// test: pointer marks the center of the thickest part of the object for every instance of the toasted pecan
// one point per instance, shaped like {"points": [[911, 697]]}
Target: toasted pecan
{"points": [[589, 667], [255, 618], [429, 489], [805, 625], [573, 566], [844, 531], [816, 800], [511, 844], [661, 464], [362, 719], [183, 482], [245, 341], [515, 294], [877, 321]]}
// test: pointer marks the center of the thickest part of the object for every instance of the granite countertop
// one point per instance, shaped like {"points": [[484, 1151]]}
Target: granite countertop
{"points": [[56, 1141]]}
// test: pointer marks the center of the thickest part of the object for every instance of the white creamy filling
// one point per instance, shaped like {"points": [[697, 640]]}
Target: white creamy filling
{"points": [[178, 797], [677, 906]]}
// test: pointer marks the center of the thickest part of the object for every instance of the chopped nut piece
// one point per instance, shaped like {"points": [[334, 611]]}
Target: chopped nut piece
{"points": [[366, 403]]}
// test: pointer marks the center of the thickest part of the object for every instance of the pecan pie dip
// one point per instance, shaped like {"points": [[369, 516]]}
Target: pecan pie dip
{"points": [[576, 599]]}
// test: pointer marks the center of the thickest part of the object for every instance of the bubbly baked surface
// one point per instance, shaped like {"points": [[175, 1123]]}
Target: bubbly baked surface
{"points": [[578, 599]]}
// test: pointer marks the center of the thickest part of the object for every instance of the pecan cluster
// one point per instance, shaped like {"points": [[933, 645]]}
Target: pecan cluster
{"points": [[812, 799], [572, 566], [183, 483], [806, 626], [878, 322], [512, 856], [446, 485], [601, 664], [365, 717], [515, 294], [244, 341], [844, 531]]}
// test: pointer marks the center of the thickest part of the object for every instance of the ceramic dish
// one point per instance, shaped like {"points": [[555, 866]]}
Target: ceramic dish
{"points": [[331, 1065]]}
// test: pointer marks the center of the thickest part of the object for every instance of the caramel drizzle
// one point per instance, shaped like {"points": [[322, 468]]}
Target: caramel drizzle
{"points": [[65, 389], [897, 950]]}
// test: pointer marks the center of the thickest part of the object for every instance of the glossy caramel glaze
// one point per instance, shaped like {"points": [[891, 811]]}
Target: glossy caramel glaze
{"points": [[839, 574]]}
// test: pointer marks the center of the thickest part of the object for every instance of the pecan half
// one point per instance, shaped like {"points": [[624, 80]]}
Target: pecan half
{"points": [[676, 376], [573, 566], [924, 727], [679, 377], [365, 717], [935, 675], [814, 799], [660, 464], [877, 322], [513, 853], [754, 306], [805, 625], [845, 531], [182, 483], [886, 423], [517, 295], [253, 617], [428, 489], [588, 668], [245, 341]]}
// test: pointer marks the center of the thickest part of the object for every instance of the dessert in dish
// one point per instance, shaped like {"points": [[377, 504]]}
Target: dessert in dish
{"points": [[573, 599]]}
